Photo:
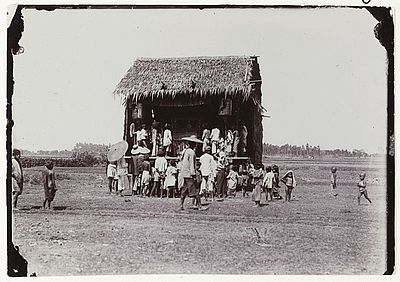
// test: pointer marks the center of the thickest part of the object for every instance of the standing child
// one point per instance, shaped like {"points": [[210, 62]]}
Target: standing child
{"points": [[170, 179], [160, 166], [290, 183], [268, 182], [258, 176], [240, 178], [275, 185], [206, 169], [333, 181], [362, 187], [245, 180], [233, 179], [145, 181], [196, 200], [180, 180], [111, 172], [250, 180], [213, 179], [122, 172], [49, 184]]}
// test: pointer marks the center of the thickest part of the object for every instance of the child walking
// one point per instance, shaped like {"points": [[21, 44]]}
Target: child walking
{"points": [[268, 182], [362, 188], [49, 184], [290, 183]]}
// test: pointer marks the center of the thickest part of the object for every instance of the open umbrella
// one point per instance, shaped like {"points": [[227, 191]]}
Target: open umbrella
{"points": [[117, 151], [192, 138]]}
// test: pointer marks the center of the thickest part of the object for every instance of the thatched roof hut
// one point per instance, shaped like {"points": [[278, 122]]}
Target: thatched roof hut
{"points": [[196, 88]]}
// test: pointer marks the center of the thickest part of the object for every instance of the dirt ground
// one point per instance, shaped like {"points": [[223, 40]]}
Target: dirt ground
{"points": [[92, 232]]}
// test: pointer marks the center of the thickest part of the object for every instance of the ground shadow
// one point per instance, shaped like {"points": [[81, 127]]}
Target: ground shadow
{"points": [[59, 208]]}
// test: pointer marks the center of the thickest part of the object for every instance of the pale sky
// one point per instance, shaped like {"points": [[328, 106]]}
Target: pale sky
{"points": [[323, 71]]}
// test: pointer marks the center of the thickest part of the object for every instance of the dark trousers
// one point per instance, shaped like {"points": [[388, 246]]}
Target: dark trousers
{"points": [[221, 183]]}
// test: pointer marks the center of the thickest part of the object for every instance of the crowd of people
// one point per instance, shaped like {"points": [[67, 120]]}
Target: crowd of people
{"points": [[211, 177], [156, 137]]}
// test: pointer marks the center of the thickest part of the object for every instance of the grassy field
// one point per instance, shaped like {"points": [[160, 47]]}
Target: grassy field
{"points": [[93, 232]]}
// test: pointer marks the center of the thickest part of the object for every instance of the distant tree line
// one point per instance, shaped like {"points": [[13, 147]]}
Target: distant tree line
{"points": [[83, 154], [88, 154], [309, 151]]}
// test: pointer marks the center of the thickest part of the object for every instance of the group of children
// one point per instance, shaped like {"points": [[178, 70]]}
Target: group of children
{"points": [[266, 180], [362, 185]]}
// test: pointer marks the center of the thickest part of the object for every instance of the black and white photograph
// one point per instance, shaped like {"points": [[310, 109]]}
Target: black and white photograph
{"points": [[241, 139]]}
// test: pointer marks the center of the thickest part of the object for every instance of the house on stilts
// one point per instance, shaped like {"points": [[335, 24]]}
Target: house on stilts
{"points": [[191, 91]]}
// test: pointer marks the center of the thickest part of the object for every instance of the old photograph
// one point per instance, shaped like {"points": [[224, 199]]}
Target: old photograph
{"points": [[246, 140]]}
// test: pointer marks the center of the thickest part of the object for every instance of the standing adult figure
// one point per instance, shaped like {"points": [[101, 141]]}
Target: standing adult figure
{"points": [[133, 133], [236, 141], [221, 174], [17, 177], [229, 142], [135, 163], [215, 132], [154, 135], [243, 138], [188, 172], [167, 139], [206, 137]]}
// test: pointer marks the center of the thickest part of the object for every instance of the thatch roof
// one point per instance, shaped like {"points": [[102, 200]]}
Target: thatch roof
{"points": [[197, 77]]}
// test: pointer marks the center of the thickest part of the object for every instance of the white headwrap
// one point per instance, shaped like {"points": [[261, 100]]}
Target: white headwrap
{"points": [[294, 179]]}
